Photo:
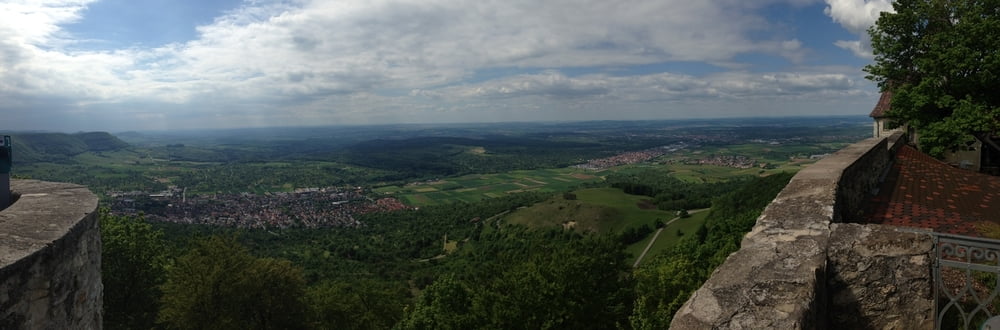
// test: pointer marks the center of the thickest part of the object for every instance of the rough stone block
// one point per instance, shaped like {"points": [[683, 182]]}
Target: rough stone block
{"points": [[880, 278], [50, 258]]}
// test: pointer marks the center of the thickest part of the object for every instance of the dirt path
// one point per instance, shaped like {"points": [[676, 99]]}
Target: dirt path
{"points": [[657, 235], [650, 245]]}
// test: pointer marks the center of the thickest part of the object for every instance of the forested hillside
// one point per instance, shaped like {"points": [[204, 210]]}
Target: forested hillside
{"points": [[61, 147], [447, 266], [663, 285]]}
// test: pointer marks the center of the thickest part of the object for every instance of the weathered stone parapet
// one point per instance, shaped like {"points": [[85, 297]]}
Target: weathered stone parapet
{"points": [[50, 258], [778, 279], [861, 177], [758, 291], [879, 278], [895, 141]]}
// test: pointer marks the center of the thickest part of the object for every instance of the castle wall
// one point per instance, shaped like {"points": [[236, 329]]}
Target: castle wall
{"points": [[799, 268], [879, 278], [50, 258]]}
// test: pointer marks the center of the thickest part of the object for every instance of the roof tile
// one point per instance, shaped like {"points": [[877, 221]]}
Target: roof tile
{"points": [[904, 200], [883, 105]]}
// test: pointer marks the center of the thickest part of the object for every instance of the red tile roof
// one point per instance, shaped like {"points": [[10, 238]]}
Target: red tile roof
{"points": [[921, 191], [883, 105]]}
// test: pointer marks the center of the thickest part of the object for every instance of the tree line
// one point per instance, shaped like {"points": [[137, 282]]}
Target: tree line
{"points": [[670, 193]]}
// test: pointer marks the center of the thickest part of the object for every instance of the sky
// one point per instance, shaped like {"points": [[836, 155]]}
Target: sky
{"points": [[119, 65]]}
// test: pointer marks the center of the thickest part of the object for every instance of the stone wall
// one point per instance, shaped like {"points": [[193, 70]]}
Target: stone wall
{"points": [[792, 270], [860, 178], [50, 258], [879, 278]]}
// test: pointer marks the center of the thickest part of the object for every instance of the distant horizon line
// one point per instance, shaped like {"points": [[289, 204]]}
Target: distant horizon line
{"points": [[540, 122]]}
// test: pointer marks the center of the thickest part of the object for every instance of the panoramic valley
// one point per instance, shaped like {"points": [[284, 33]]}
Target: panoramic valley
{"points": [[518, 164], [383, 219]]}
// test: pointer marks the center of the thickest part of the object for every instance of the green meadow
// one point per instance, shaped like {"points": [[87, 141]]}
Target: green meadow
{"points": [[597, 210], [475, 187], [669, 237], [607, 210]]}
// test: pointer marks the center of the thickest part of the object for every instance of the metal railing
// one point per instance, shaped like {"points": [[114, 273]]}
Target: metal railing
{"points": [[966, 281]]}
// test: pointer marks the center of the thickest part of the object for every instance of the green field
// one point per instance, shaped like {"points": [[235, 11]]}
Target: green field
{"points": [[134, 169], [606, 210], [711, 173], [470, 188], [475, 187], [668, 238], [780, 158], [598, 210]]}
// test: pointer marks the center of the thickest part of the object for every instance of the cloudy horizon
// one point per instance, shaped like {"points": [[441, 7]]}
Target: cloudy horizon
{"points": [[73, 65]]}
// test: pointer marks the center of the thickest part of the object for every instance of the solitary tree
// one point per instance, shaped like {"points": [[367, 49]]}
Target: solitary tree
{"points": [[941, 60]]}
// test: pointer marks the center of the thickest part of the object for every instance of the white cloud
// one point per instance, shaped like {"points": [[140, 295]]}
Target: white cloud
{"points": [[36, 22], [776, 86], [810, 91], [857, 16], [860, 48], [306, 61]]}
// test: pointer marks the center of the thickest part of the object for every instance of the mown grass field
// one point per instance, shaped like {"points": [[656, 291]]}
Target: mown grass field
{"points": [[475, 187], [599, 210], [606, 210]]}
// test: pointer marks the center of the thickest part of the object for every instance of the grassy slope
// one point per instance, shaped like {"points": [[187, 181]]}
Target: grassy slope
{"points": [[606, 210], [599, 210], [475, 187], [669, 237]]}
